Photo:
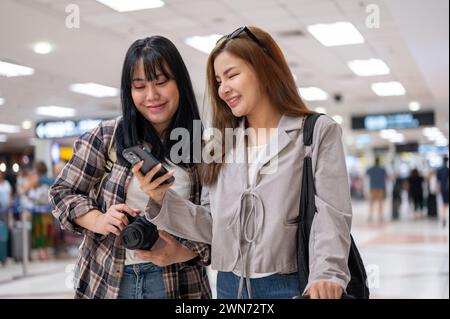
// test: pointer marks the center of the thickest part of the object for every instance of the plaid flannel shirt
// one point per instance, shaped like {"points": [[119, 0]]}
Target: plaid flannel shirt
{"points": [[99, 268]]}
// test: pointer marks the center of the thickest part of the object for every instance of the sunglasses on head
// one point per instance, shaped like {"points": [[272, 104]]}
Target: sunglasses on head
{"points": [[238, 32]]}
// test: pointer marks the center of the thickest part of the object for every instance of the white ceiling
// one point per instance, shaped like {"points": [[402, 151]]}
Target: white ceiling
{"points": [[412, 40]]}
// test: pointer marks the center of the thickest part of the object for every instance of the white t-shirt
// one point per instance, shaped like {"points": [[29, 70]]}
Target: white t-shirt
{"points": [[254, 157], [137, 199]]}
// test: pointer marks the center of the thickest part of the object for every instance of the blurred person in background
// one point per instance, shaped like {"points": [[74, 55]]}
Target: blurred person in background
{"points": [[5, 192], [432, 190], [397, 196], [415, 189], [22, 181], [43, 227], [63, 238], [377, 185], [37, 178], [57, 168], [442, 175], [357, 187]]}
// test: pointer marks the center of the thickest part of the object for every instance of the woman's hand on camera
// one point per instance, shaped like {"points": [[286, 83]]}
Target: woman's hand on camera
{"points": [[171, 252], [114, 220], [155, 189], [325, 290]]}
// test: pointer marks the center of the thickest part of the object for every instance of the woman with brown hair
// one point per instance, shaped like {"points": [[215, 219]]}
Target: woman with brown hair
{"points": [[249, 210]]}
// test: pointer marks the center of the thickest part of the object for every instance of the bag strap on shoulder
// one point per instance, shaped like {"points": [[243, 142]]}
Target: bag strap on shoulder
{"points": [[307, 207], [308, 129], [357, 286]]}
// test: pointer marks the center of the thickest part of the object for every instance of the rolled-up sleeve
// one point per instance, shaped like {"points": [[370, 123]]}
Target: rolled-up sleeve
{"points": [[202, 250], [69, 195], [329, 244]]}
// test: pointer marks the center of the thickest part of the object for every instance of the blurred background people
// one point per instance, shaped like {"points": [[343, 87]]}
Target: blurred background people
{"points": [[397, 196], [415, 189], [377, 187], [43, 226], [57, 168], [63, 238], [442, 175], [5, 192], [432, 190], [38, 178], [356, 187]]}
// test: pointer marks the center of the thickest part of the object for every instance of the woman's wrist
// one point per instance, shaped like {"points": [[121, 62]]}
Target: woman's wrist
{"points": [[185, 254], [89, 220]]}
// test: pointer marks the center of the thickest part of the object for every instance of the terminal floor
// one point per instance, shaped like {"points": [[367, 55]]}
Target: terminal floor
{"points": [[408, 258]]}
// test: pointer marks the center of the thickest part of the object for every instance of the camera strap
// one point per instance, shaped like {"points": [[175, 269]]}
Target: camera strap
{"points": [[111, 158]]}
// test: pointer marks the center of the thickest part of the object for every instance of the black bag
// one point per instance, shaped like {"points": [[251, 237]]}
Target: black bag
{"points": [[357, 286]]}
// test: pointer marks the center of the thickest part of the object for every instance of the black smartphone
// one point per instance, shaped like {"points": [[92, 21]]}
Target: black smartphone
{"points": [[136, 154]]}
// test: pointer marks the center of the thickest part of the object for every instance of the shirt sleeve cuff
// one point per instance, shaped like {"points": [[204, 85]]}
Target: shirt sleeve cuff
{"points": [[203, 252]]}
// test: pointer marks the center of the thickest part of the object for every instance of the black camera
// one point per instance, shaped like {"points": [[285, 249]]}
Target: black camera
{"points": [[139, 233]]}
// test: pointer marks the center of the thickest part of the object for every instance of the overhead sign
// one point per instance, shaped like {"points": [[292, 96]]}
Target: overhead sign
{"points": [[66, 128], [432, 148], [377, 122], [411, 147]]}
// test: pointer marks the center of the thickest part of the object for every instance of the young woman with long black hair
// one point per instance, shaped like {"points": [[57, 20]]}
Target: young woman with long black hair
{"points": [[157, 97]]}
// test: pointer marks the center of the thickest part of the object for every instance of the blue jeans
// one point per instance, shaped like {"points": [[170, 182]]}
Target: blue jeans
{"points": [[277, 286], [142, 281]]}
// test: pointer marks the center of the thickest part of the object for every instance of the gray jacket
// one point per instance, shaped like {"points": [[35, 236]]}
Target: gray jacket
{"points": [[254, 228]]}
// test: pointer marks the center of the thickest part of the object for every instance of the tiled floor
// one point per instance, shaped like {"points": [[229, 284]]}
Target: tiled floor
{"points": [[408, 258], [404, 259]]}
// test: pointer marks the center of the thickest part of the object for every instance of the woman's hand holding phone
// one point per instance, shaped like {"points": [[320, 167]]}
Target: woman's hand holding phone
{"points": [[155, 189]]}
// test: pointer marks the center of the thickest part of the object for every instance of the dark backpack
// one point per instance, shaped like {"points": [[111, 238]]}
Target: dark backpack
{"points": [[357, 286]]}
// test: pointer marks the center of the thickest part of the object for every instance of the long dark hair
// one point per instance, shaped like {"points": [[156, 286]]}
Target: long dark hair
{"points": [[157, 54]]}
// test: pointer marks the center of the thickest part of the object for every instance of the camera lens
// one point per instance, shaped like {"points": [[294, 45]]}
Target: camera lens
{"points": [[139, 234], [131, 237]]}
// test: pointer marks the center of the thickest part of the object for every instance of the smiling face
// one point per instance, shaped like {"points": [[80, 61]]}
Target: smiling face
{"points": [[238, 84], [156, 100]]}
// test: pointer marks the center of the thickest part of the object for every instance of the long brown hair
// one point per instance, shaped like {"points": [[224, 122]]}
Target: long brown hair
{"points": [[275, 78]]}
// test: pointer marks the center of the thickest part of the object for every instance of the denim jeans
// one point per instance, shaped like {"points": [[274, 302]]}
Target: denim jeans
{"points": [[277, 286], [142, 281]]}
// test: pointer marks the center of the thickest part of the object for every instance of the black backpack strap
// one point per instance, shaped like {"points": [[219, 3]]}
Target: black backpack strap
{"points": [[307, 201], [307, 207], [357, 286], [308, 129]]}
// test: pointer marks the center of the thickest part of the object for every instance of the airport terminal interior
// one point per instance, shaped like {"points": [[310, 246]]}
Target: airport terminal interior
{"points": [[378, 68]]}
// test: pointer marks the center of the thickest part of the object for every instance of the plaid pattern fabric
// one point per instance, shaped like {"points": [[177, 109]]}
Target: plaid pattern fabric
{"points": [[100, 263]]}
